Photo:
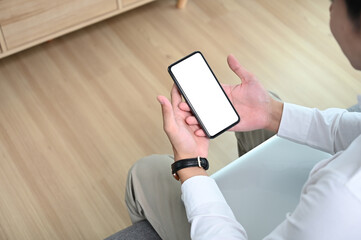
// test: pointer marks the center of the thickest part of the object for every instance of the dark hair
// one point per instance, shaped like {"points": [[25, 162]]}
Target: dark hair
{"points": [[354, 11]]}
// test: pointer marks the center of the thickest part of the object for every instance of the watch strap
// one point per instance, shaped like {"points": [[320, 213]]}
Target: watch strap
{"points": [[189, 162]]}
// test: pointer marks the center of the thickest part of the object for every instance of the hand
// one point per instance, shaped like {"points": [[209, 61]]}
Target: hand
{"points": [[186, 144], [256, 108], [252, 101]]}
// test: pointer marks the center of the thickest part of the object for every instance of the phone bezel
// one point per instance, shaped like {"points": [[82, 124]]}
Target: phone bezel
{"points": [[189, 103]]}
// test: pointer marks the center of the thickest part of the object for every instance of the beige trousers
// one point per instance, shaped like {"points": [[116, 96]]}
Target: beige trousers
{"points": [[153, 194]]}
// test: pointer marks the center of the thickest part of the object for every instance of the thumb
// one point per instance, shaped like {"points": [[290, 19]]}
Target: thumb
{"points": [[241, 72], [167, 112]]}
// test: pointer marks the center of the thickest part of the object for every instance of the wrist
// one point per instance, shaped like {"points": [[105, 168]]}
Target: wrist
{"points": [[190, 167], [181, 156], [275, 115]]}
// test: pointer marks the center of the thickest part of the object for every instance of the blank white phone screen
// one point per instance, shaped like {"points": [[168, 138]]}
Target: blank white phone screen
{"points": [[204, 94]]}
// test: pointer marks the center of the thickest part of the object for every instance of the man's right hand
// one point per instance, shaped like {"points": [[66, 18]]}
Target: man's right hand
{"points": [[256, 108]]}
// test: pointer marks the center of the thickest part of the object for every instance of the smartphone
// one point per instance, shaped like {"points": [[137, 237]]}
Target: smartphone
{"points": [[204, 94]]}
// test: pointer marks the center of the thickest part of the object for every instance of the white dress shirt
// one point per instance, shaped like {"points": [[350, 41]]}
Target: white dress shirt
{"points": [[330, 203]]}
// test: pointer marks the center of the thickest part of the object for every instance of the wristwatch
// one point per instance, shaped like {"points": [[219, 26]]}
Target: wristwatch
{"points": [[189, 162]]}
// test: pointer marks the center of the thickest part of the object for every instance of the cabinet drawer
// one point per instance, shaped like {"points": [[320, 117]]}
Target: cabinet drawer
{"points": [[126, 3], [47, 21]]}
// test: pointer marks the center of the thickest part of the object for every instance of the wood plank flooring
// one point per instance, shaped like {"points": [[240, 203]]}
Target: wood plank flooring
{"points": [[77, 112]]}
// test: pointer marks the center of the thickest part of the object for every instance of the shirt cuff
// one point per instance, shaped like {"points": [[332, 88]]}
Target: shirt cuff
{"points": [[200, 191], [295, 122]]}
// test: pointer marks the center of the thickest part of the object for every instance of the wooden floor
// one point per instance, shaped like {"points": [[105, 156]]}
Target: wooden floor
{"points": [[77, 112]]}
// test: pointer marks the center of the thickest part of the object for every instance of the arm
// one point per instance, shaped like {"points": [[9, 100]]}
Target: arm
{"points": [[331, 130], [184, 142], [207, 211], [256, 108]]}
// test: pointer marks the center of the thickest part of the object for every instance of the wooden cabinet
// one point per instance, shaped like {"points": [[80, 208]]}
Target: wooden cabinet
{"points": [[25, 23], [43, 20]]}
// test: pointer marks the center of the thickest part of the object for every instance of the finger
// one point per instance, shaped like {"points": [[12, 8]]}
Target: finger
{"points": [[168, 116], [191, 120], [236, 67], [176, 97], [200, 133], [184, 107]]}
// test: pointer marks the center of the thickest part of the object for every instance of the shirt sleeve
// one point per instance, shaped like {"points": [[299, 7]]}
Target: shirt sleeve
{"points": [[208, 212], [331, 130]]}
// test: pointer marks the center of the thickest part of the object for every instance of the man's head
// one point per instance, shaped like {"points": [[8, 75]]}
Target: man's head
{"points": [[345, 23], [354, 12]]}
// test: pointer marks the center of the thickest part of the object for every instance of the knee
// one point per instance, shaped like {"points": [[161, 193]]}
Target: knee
{"points": [[153, 165], [146, 174]]}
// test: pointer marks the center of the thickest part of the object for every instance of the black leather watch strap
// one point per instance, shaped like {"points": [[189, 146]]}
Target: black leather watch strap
{"points": [[189, 162]]}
